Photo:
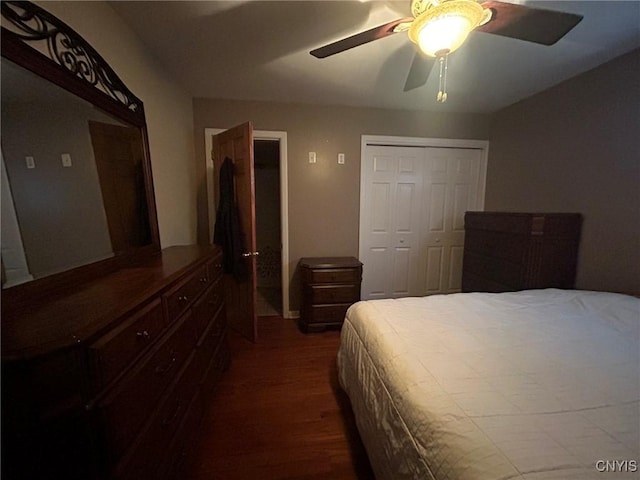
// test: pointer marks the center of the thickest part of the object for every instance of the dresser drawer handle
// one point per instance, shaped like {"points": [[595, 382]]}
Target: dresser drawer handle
{"points": [[183, 298], [143, 335], [204, 280], [161, 370]]}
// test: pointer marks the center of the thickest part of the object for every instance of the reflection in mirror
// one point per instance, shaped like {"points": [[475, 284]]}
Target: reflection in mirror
{"points": [[73, 189]]}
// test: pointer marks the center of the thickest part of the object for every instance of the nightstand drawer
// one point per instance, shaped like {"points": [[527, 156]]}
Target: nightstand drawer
{"points": [[337, 275], [333, 293], [327, 313], [329, 286]]}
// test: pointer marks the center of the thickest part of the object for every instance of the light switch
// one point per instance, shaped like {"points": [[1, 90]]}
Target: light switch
{"points": [[31, 163], [66, 160], [341, 158], [312, 157]]}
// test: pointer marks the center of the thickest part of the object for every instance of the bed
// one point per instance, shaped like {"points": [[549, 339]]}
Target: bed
{"points": [[536, 385]]}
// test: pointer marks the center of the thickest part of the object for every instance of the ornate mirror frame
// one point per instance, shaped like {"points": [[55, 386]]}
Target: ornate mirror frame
{"points": [[41, 43]]}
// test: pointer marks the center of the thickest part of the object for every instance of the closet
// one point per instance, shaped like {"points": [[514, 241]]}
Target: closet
{"points": [[413, 196]]}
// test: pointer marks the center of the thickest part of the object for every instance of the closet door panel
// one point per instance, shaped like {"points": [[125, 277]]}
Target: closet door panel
{"points": [[413, 202]]}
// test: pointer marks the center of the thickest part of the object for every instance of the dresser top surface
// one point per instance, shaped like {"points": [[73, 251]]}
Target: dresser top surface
{"points": [[40, 325], [330, 262]]}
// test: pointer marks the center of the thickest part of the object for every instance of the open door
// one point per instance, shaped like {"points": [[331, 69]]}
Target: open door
{"points": [[237, 144], [119, 161]]}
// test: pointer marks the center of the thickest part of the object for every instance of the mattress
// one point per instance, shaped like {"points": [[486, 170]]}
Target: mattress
{"points": [[536, 385]]}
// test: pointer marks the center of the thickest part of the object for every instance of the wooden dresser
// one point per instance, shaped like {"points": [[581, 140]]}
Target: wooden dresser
{"points": [[330, 285], [518, 251], [110, 380]]}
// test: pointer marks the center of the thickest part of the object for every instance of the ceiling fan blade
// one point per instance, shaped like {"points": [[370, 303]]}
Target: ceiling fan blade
{"points": [[530, 24], [419, 71], [359, 39]]}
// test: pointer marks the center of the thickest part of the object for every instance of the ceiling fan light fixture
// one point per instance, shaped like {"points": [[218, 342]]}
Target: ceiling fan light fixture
{"points": [[443, 27]]}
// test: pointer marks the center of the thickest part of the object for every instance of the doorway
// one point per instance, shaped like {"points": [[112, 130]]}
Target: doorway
{"points": [[266, 162], [271, 139]]}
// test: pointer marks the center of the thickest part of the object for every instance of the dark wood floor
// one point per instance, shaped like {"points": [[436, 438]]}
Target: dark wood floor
{"points": [[279, 413]]}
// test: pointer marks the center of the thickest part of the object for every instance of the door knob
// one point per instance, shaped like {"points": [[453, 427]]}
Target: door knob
{"points": [[251, 254]]}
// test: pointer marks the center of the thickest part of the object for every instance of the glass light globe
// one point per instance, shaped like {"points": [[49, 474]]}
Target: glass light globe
{"points": [[444, 34], [444, 27]]}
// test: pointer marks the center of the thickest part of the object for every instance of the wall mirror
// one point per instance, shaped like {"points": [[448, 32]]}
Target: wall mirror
{"points": [[77, 192]]}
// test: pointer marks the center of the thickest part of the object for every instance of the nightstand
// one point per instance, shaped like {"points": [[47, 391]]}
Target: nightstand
{"points": [[330, 285]]}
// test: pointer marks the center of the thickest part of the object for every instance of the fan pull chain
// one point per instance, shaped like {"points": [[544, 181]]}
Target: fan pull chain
{"points": [[442, 91]]}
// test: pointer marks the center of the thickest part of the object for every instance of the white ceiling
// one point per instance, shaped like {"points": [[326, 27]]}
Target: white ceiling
{"points": [[259, 50]]}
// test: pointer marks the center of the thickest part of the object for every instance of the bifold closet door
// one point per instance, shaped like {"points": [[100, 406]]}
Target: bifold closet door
{"points": [[390, 223], [451, 184], [413, 201]]}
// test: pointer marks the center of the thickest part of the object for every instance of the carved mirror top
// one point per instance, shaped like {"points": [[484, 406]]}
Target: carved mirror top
{"points": [[61, 47]]}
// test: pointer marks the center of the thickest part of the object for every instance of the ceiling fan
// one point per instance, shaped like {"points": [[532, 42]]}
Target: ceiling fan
{"points": [[439, 27]]}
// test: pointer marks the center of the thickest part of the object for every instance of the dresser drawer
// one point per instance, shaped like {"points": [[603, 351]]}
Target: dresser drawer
{"points": [[183, 295], [214, 269], [142, 460], [209, 342], [333, 293], [112, 353], [176, 402], [176, 463], [326, 313], [125, 410], [218, 364], [332, 275], [207, 306]]}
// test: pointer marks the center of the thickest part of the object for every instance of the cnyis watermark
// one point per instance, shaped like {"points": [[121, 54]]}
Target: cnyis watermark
{"points": [[619, 466]]}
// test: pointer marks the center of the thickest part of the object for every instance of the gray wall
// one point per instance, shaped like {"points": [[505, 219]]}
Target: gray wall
{"points": [[576, 148], [324, 197]]}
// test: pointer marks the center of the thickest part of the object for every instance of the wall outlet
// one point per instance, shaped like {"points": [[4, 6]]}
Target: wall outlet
{"points": [[31, 163], [66, 160], [341, 158], [312, 157]]}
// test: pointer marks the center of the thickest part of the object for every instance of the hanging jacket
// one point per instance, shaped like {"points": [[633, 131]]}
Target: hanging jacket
{"points": [[228, 232]]}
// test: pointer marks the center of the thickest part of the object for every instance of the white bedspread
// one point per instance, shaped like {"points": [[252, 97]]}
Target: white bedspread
{"points": [[536, 385]]}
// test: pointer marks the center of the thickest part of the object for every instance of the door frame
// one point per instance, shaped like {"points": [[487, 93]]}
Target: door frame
{"points": [[420, 142], [274, 135]]}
